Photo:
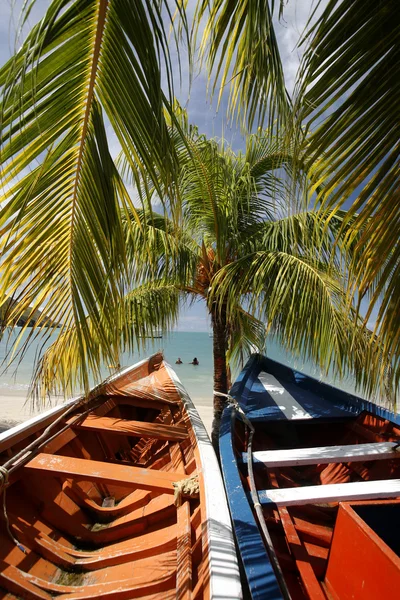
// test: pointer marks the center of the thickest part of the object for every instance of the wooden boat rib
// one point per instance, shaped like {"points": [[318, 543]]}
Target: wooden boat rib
{"points": [[92, 509], [313, 482]]}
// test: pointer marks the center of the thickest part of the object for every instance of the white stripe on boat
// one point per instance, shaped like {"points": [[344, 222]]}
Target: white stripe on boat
{"points": [[327, 454], [224, 570], [291, 409], [335, 492]]}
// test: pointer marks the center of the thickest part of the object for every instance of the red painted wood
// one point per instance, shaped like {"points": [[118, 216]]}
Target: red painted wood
{"points": [[184, 558], [132, 428], [16, 582], [361, 566], [131, 502], [298, 549], [102, 472], [144, 402]]}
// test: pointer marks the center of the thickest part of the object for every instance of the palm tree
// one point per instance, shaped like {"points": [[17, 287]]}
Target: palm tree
{"points": [[345, 115], [73, 241], [239, 247], [349, 93], [88, 72]]}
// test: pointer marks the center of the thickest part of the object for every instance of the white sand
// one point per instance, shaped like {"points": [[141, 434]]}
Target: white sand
{"points": [[15, 409], [205, 410]]}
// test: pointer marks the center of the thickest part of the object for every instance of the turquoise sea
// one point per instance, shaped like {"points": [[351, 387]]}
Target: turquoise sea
{"points": [[186, 345]]}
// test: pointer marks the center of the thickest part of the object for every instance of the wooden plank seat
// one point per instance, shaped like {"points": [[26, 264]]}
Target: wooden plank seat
{"points": [[101, 472], [326, 454], [335, 492], [132, 428]]}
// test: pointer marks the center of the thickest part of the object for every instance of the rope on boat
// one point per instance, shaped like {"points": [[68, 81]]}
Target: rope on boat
{"points": [[254, 496], [3, 478], [186, 487], [4, 475], [235, 404], [25, 454]]}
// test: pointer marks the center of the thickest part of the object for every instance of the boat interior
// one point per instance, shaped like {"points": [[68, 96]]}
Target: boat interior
{"points": [[329, 490], [91, 511]]}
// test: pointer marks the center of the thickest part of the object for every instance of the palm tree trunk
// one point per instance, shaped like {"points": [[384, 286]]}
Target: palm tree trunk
{"points": [[220, 370]]}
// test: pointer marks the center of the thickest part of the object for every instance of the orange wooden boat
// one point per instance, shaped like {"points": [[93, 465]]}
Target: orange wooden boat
{"points": [[116, 496]]}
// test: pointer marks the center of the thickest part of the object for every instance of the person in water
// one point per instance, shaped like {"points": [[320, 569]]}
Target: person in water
{"points": [[178, 362], [194, 361]]}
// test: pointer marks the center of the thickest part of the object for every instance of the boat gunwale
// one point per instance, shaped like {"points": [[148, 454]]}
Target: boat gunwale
{"points": [[350, 403], [261, 575], [45, 417], [224, 577]]}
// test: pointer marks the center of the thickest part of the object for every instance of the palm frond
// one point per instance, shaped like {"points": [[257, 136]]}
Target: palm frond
{"points": [[324, 234], [246, 335], [63, 366], [347, 96], [305, 308], [240, 42], [63, 247]]}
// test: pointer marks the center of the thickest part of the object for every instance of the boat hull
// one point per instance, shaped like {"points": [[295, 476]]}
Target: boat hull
{"points": [[298, 458], [115, 499]]}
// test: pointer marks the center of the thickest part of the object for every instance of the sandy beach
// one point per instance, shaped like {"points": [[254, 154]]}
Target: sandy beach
{"points": [[16, 408]]}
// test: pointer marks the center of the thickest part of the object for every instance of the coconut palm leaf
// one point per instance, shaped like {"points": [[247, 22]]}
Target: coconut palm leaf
{"points": [[239, 42], [145, 309], [348, 97], [246, 335], [305, 308], [300, 232], [63, 246]]}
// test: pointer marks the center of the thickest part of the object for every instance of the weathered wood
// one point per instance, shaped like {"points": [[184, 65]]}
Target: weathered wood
{"points": [[177, 458], [33, 587], [326, 454], [131, 502], [184, 558], [13, 436], [15, 581], [142, 546], [335, 492], [146, 576], [312, 532], [133, 428], [158, 403], [61, 440], [78, 468], [310, 581]]}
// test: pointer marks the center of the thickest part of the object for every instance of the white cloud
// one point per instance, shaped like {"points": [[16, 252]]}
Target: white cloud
{"points": [[289, 31], [193, 323]]}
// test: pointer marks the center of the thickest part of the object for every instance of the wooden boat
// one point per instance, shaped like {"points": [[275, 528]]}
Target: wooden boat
{"points": [[313, 481], [88, 491]]}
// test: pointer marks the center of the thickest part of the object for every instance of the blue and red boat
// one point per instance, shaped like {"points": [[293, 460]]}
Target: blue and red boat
{"points": [[312, 475]]}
